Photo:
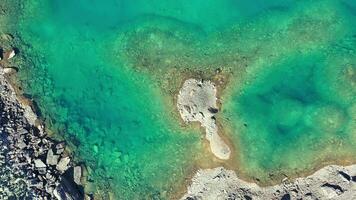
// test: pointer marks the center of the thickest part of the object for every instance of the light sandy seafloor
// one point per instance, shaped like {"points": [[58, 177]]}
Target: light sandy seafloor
{"points": [[196, 102]]}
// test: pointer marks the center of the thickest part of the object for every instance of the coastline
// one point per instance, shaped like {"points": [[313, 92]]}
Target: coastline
{"points": [[219, 124], [42, 164], [324, 176], [331, 182]]}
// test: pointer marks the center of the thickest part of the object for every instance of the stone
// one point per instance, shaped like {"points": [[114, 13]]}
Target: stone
{"points": [[9, 54], [77, 174], [51, 159], [10, 70], [39, 163], [62, 165], [196, 102]]}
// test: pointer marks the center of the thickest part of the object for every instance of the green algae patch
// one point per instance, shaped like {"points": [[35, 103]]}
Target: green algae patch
{"points": [[283, 122]]}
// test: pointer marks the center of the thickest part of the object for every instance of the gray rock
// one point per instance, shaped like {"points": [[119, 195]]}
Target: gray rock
{"points": [[39, 163], [10, 70], [51, 159], [62, 165], [77, 174], [197, 103]]}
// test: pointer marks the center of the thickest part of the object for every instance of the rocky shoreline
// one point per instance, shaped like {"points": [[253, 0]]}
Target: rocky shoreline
{"points": [[331, 182], [197, 102], [32, 165]]}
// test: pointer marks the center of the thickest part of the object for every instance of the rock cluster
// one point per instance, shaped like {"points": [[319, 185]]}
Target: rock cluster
{"points": [[197, 103], [331, 182], [32, 165]]}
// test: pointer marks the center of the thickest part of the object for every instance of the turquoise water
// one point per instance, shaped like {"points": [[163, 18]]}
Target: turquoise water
{"points": [[105, 75], [290, 112]]}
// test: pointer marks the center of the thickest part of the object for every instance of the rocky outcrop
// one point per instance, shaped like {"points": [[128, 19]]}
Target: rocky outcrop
{"points": [[32, 165], [197, 103], [331, 182]]}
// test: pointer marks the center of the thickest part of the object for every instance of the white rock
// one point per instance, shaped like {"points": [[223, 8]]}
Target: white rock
{"points": [[77, 174], [197, 102], [39, 163], [62, 165], [11, 54], [9, 70], [51, 158]]}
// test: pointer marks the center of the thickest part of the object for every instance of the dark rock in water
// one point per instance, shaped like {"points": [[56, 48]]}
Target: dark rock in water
{"points": [[213, 110], [60, 147], [286, 197], [68, 189]]}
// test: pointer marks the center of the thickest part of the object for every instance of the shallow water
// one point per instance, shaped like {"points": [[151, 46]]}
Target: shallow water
{"points": [[104, 76]]}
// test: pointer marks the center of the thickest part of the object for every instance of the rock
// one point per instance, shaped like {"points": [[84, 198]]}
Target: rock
{"points": [[9, 54], [68, 190], [62, 165], [197, 103], [51, 158], [10, 70], [77, 174], [39, 163]]}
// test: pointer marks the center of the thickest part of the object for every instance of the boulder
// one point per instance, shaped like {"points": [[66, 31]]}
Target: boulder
{"points": [[39, 163], [9, 54], [77, 174], [7, 36], [52, 159], [62, 165], [10, 70]]}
